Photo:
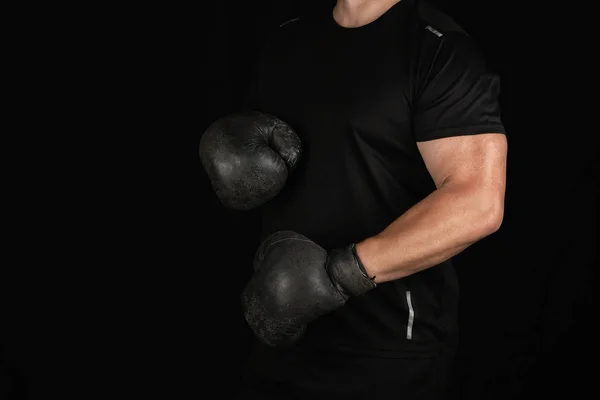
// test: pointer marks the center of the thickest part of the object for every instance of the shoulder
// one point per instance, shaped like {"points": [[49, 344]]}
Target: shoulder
{"points": [[442, 38], [299, 22], [436, 20], [438, 28], [291, 23], [286, 28], [296, 29], [278, 33]]}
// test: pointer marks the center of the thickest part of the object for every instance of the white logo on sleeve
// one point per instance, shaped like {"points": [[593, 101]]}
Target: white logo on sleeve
{"points": [[437, 33]]}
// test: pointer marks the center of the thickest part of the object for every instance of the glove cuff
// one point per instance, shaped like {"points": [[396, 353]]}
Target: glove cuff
{"points": [[348, 273], [360, 264]]}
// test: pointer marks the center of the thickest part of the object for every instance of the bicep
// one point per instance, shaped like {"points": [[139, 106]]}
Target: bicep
{"points": [[478, 160]]}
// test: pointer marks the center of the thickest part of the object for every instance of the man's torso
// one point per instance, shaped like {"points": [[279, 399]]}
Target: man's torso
{"points": [[349, 94]]}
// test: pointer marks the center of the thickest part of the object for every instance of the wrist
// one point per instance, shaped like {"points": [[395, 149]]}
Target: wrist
{"points": [[360, 263], [366, 251]]}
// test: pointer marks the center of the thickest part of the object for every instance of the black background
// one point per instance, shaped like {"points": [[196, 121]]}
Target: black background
{"points": [[136, 292]]}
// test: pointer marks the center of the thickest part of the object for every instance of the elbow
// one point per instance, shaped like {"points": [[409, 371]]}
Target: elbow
{"points": [[492, 217], [488, 213], [487, 223], [494, 221]]}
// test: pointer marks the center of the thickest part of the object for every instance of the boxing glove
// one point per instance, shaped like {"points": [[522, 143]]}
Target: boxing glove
{"points": [[296, 281], [247, 157]]}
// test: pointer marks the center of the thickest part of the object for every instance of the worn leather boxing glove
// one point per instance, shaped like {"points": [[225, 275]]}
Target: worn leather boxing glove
{"points": [[296, 281], [247, 157]]}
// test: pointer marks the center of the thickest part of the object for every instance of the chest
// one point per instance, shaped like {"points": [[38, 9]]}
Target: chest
{"points": [[358, 83]]}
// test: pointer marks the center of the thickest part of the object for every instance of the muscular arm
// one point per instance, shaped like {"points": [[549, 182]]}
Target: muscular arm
{"points": [[468, 205]]}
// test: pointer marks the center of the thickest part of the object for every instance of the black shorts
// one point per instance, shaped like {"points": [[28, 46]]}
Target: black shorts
{"points": [[350, 377]]}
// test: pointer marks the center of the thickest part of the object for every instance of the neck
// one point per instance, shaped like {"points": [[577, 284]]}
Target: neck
{"points": [[352, 4], [355, 13]]}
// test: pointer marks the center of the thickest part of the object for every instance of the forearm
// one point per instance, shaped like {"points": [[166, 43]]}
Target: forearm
{"points": [[440, 226]]}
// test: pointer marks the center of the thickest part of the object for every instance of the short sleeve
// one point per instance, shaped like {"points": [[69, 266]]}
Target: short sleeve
{"points": [[459, 95]]}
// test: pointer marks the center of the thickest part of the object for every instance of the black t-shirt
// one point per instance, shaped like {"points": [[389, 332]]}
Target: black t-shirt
{"points": [[360, 99]]}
